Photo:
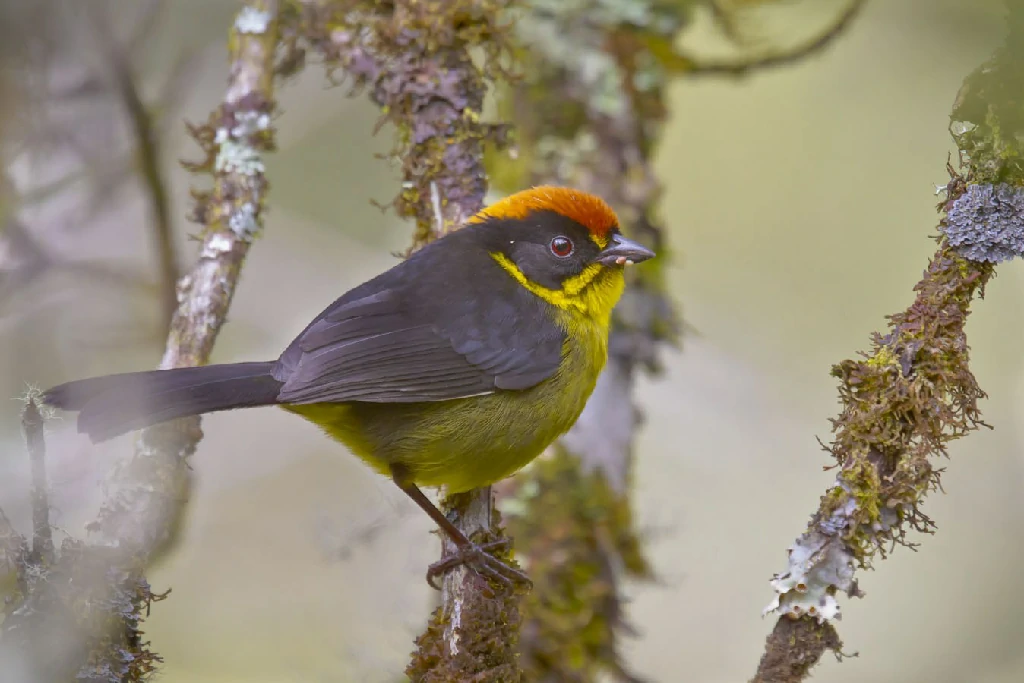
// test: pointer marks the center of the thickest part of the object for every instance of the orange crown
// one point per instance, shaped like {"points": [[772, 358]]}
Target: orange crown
{"points": [[588, 210]]}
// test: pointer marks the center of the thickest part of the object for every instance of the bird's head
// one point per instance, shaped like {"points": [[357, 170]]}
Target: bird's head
{"points": [[563, 245]]}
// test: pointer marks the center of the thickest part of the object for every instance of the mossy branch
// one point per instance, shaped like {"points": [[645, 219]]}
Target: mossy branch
{"points": [[413, 58], [588, 113], [153, 485], [913, 393], [73, 614], [78, 614], [42, 533]]}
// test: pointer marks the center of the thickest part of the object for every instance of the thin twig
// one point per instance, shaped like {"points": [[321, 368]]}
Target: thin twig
{"points": [[147, 152], [42, 534], [693, 66]]}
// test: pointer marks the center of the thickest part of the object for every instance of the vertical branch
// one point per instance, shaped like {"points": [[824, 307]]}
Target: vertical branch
{"points": [[913, 393], [42, 534], [414, 59], [147, 148], [588, 115]]}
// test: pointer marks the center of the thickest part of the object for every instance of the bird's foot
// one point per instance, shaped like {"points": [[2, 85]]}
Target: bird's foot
{"points": [[478, 558]]}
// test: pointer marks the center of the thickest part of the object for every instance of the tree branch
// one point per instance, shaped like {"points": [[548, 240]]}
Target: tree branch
{"points": [[414, 59], [914, 392], [79, 617], [153, 486], [594, 129], [147, 152], [695, 66], [42, 534]]}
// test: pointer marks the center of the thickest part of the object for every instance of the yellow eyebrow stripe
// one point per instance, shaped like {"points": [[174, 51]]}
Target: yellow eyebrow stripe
{"points": [[565, 298]]}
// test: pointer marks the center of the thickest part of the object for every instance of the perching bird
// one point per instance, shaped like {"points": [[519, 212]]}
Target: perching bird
{"points": [[454, 368]]}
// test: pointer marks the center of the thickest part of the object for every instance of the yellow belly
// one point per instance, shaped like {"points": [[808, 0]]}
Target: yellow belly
{"points": [[470, 442]]}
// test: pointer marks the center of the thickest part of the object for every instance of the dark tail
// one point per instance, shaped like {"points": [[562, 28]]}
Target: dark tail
{"points": [[117, 404]]}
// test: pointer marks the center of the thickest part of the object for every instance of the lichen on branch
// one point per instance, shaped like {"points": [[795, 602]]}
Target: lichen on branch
{"points": [[78, 617], [913, 393], [415, 60], [73, 614], [589, 110], [152, 486]]}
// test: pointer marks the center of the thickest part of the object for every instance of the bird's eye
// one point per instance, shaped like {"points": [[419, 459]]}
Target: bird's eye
{"points": [[561, 246]]}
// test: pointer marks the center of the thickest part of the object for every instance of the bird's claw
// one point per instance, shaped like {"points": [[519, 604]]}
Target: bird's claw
{"points": [[478, 558]]}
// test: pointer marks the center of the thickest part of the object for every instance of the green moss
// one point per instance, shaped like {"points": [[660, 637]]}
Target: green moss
{"points": [[488, 637], [578, 532], [78, 619], [414, 61], [903, 403], [988, 117]]}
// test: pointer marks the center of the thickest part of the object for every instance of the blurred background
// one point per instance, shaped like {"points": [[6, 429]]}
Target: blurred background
{"points": [[799, 203]]}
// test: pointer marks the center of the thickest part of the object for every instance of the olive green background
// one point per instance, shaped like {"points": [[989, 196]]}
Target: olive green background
{"points": [[799, 205]]}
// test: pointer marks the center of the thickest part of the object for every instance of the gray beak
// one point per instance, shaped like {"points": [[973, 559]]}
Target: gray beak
{"points": [[623, 252]]}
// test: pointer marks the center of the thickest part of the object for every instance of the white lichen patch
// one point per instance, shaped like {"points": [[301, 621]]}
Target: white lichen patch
{"points": [[820, 565], [252, 20], [239, 157], [217, 245], [249, 122], [243, 221]]}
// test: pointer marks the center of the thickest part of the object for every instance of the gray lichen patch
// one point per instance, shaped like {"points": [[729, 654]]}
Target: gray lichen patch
{"points": [[987, 223]]}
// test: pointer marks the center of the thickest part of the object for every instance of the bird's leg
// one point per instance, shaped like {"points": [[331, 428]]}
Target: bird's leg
{"points": [[473, 555]]}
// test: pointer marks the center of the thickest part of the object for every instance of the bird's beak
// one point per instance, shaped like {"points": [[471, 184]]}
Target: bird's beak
{"points": [[623, 252]]}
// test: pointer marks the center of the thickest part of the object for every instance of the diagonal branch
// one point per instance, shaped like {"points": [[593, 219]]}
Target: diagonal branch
{"points": [[153, 484], [79, 617], [914, 392]]}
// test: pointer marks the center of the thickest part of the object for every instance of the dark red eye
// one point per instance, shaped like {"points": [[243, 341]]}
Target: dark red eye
{"points": [[561, 246]]}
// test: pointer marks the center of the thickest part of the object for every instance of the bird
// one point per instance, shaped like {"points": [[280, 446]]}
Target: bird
{"points": [[454, 368]]}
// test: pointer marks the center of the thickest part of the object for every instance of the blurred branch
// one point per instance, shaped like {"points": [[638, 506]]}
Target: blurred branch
{"points": [[414, 59], [72, 616], [588, 114], [694, 66], [78, 617], [154, 483], [104, 171], [914, 392], [147, 151], [149, 14]]}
